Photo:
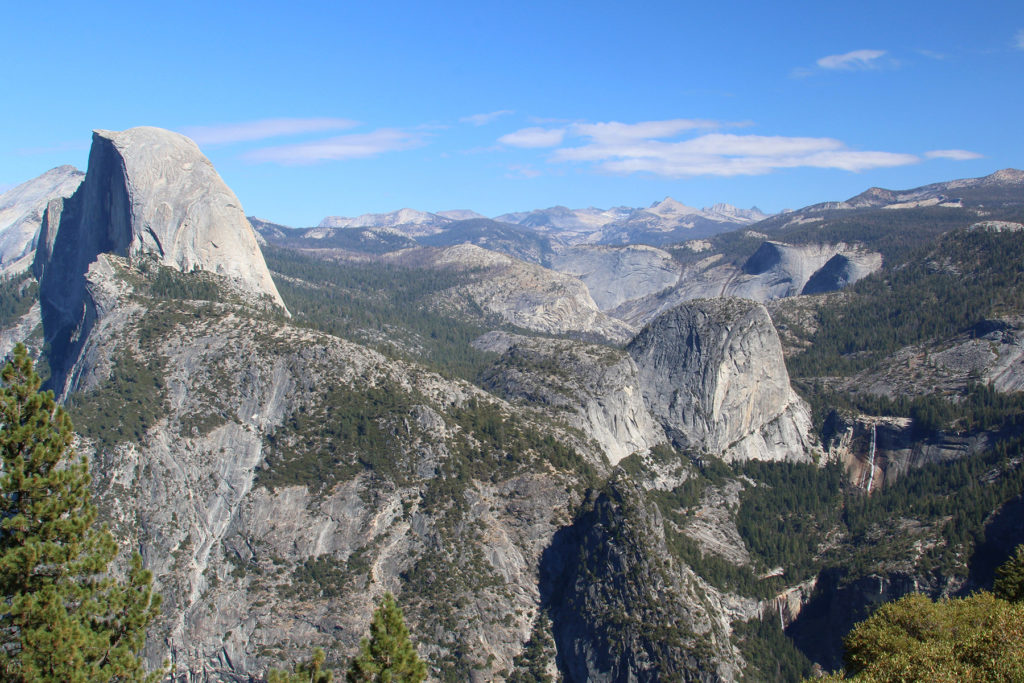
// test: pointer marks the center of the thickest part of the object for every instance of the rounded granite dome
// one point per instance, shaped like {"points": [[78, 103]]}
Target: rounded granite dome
{"points": [[179, 209]]}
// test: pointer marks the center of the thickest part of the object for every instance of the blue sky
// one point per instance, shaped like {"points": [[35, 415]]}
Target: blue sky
{"points": [[332, 108]]}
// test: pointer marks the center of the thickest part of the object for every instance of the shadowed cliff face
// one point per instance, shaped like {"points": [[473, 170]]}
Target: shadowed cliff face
{"points": [[621, 609], [836, 607], [147, 192], [96, 219], [1002, 536]]}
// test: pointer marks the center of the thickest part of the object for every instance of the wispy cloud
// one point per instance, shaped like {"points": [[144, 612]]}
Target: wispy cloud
{"points": [[654, 147], [613, 131], [534, 137], [484, 119], [728, 155], [1019, 39], [955, 154], [858, 59], [248, 131], [355, 146], [610, 132]]}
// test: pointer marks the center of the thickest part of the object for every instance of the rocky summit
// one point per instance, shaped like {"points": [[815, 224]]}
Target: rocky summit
{"points": [[712, 371], [148, 194]]}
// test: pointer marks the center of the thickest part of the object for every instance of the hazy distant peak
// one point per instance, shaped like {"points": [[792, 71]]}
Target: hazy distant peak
{"points": [[335, 222], [21, 213], [460, 214], [728, 211], [669, 206], [386, 220], [563, 218], [1007, 175], [400, 217], [48, 184]]}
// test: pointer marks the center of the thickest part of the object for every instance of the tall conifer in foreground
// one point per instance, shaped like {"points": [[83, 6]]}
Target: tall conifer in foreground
{"points": [[387, 656], [62, 617]]}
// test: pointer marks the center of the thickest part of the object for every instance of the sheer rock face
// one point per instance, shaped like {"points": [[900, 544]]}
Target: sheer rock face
{"points": [[151, 191], [147, 192], [713, 373]]}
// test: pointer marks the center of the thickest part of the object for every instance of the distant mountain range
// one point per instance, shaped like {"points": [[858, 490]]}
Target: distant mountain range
{"points": [[660, 223]]}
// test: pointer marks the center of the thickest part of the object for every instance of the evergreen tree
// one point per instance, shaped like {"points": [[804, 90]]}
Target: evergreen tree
{"points": [[387, 656], [1009, 583], [305, 672], [62, 617]]}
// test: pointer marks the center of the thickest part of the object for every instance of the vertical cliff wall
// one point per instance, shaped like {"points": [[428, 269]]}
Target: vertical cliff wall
{"points": [[147, 192]]}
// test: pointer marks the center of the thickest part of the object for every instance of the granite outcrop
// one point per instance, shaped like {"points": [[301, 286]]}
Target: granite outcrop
{"points": [[712, 372]]}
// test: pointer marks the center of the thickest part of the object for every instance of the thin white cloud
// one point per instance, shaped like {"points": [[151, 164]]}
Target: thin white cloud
{"points": [[858, 59], [1019, 39], [264, 129], [613, 148], [616, 131], [355, 146], [955, 154], [534, 137], [484, 119]]}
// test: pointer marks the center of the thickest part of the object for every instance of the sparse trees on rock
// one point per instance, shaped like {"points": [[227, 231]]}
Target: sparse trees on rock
{"points": [[63, 618], [531, 665]]}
